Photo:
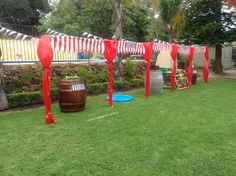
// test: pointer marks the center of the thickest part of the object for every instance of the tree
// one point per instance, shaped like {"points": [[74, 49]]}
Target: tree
{"points": [[27, 12], [167, 11], [131, 21], [136, 21], [118, 35], [74, 17], [100, 18], [63, 18], [210, 22]]}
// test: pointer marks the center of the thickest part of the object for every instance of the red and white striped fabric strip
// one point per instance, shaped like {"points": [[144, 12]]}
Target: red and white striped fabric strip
{"points": [[136, 49], [75, 48], [59, 42], [86, 45], [69, 45], [126, 48], [123, 47], [161, 46], [103, 47], [99, 45], [74, 44], [65, 43], [91, 49], [118, 49], [52, 41], [200, 49], [183, 49]]}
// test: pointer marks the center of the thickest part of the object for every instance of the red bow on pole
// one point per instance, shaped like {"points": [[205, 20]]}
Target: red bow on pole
{"points": [[45, 55], [190, 67], [205, 69], [174, 54], [110, 53], [147, 57]]}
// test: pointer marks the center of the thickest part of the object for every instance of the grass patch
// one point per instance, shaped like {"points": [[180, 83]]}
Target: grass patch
{"points": [[190, 132]]}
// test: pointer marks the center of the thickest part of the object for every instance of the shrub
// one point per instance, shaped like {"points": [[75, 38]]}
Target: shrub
{"points": [[129, 68], [24, 99], [136, 83], [119, 85], [29, 98], [97, 88], [28, 78]]}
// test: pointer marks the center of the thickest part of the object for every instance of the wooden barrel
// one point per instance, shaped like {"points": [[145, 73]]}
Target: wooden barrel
{"points": [[156, 82], [72, 95]]}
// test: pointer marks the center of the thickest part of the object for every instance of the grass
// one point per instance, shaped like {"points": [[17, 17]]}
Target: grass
{"points": [[189, 132]]}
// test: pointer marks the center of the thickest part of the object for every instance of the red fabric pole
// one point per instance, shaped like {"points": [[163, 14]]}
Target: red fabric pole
{"points": [[147, 83], [174, 54], [60, 42], [46, 96], [190, 67], [205, 69], [110, 53], [45, 55], [147, 57], [110, 87]]}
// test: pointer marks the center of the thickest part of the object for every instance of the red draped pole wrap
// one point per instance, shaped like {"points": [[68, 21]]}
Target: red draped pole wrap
{"points": [[190, 67], [147, 57], [174, 54], [45, 55], [205, 69], [110, 53]]}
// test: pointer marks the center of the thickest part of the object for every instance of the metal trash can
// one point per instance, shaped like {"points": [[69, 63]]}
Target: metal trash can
{"points": [[156, 82]]}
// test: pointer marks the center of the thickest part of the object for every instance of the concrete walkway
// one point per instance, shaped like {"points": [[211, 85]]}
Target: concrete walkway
{"points": [[227, 74]]}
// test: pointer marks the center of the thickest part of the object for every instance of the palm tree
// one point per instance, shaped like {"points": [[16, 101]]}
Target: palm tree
{"points": [[171, 13]]}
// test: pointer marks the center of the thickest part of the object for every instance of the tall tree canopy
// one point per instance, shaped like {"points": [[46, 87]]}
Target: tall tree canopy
{"points": [[168, 10], [98, 17], [210, 22], [136, 21], [23, 11]]}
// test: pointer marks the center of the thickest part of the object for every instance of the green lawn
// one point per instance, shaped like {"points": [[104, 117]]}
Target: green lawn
{"points": [[189, 132]]}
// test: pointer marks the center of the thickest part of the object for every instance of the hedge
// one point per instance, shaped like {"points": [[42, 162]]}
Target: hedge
{"points": [[29, 98], [28, 78]]}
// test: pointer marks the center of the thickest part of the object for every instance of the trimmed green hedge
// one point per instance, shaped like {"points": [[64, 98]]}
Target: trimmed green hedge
{"points": [[28, 78], [29, 98], [96, 88]]}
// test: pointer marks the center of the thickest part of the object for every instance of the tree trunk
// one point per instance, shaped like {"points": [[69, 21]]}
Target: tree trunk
{"points": [[218, 64], [118, 36], [170, 34], [3, 97]]}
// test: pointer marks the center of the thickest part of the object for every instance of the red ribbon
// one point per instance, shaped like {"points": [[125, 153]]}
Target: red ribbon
{"points": [[174, 54], [46, 96], [45, 55], [147, 57], [190, 67], [110, 53], [110, 86], [205, 69]]}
